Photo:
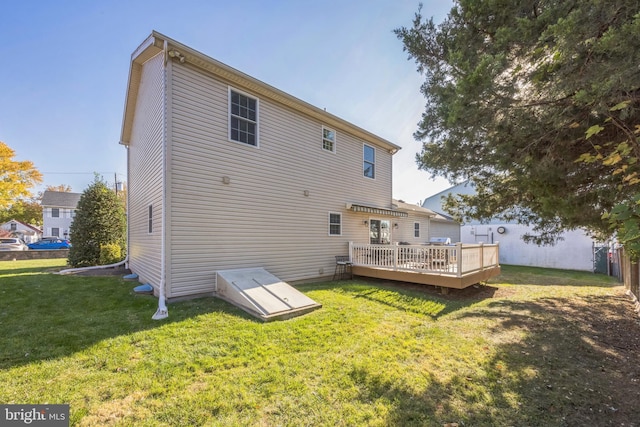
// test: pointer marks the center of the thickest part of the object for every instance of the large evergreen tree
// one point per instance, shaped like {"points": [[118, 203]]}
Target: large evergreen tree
{"points": [[538, 104], [99, 222]]}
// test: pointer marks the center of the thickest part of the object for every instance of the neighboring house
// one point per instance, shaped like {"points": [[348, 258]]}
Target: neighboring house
{"points": [[28, 233], [422, 225], [574, 252], [58, 211]]}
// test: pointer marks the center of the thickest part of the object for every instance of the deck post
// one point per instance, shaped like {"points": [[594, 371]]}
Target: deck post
{"points": [[351, 252], [481, 256], [459, 258], [395, 257]]}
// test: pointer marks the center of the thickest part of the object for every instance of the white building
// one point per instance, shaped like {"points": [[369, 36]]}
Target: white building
{"points": [[28, 233], [574, 252], [58, 210]]}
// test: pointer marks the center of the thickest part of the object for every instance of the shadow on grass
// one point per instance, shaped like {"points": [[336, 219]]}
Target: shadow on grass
{"points": [[522, 275], [409, 297], [557, 362], [47, 316], [26, 270]]}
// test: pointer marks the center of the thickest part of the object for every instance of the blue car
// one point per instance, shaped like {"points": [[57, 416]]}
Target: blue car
{"points": [[50, 244]]}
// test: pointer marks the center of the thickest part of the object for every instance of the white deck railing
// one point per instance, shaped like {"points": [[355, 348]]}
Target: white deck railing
{"points": [[456, 260]]}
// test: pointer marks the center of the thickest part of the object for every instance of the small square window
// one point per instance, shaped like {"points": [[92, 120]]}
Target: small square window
{"points": [[55, 212], [335, 224], [329, 139]]}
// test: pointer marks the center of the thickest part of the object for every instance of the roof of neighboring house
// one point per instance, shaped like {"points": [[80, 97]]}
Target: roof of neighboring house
{"points": [[443, 218], [403, 206], [60, 199], [433, 215], [28, 226], [157, 43]]}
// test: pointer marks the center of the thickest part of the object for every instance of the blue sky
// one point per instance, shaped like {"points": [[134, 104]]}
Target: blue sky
{"points": [[65, 65]]}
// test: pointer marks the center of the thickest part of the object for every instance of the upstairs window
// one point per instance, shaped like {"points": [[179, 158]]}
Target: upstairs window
{"points": [[369, 167], [329, 139], [55, 212], [243, 118]]}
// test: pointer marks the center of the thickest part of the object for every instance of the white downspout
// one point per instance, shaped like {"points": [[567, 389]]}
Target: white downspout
{"points": [[162, 312], [95, 267]]}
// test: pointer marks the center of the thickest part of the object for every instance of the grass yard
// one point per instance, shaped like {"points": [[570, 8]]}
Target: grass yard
{"points": [[534, 347]]}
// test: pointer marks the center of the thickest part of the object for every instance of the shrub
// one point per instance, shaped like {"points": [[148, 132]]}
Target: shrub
{"points": [[110, 253]]}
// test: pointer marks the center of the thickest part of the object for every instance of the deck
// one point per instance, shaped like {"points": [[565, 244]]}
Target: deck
{"points": [[457, 266]]}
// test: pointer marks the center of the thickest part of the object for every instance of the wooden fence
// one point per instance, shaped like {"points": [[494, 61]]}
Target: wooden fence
{"points": [[629, 274]]}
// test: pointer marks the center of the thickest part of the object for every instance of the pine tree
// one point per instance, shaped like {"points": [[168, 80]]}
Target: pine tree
{"points": [[538, 104]]}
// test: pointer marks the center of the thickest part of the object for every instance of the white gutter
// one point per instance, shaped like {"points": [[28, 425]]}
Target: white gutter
{"points": [[162, 312], [94, 267]]}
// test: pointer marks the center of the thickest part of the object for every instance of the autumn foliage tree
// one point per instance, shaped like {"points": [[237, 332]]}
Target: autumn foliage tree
{"points": [[538, 104], [16, 177]]}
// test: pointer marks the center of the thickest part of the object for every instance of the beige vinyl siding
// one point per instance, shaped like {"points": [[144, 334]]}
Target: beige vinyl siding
{"points": [[262, 217], [145, 174], [404, 232], [445, 229]]}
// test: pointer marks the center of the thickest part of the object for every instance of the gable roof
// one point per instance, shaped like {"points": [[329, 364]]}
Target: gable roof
{"points": [[27, 226], [157, 43], [60, 199], [408, 207]]}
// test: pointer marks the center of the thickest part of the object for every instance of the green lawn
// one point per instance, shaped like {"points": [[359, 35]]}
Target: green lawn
{"points": [[535, 347]]}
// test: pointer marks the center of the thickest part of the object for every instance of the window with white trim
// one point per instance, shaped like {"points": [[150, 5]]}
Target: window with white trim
{"points": [[55, 212], [55, 231], [335, 224], [416, 229], [329, 139], [369, 164], [243, 118]]}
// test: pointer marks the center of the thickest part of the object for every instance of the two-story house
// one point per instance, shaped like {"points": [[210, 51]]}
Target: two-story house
{"points": [[228, 172], [58, 211]]}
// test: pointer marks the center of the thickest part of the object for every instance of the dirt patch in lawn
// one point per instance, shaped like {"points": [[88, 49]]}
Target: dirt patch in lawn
{"points": [[580, 351], [585, 349]]}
